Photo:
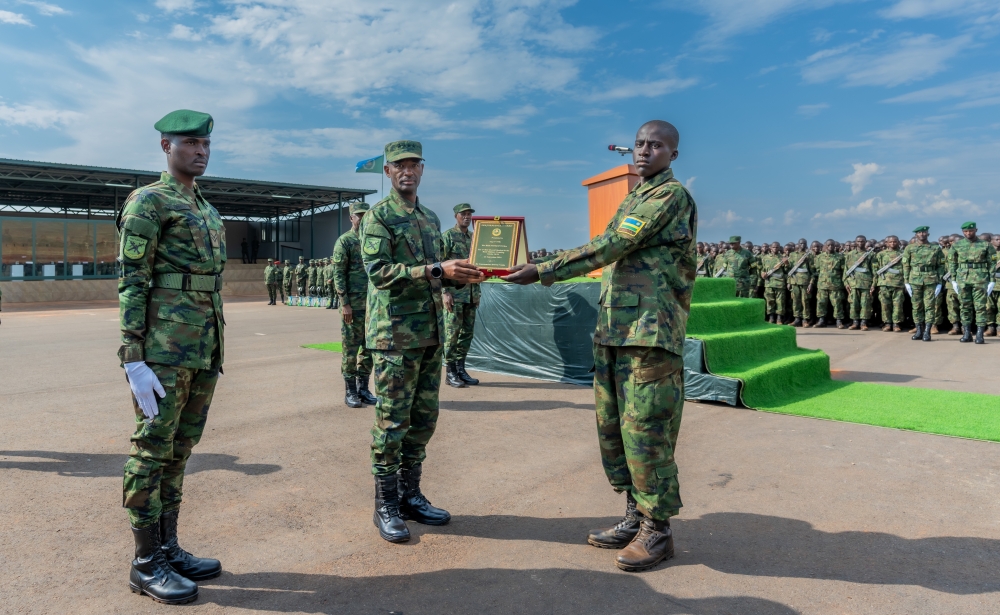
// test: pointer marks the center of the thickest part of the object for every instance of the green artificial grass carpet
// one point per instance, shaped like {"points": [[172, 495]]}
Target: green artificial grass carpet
{"points": [[330, 346], [778, 376]]}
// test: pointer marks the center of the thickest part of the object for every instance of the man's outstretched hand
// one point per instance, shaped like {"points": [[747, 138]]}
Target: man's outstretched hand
{"points": [[522, 274], [462, 272]]}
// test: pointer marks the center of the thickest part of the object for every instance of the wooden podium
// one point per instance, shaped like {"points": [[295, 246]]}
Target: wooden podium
{"points": [[605, 192]]}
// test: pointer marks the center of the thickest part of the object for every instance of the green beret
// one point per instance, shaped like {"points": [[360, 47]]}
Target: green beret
{"points": [[735, 239], [921, 229], [968, 225], [463, 207], [359, 208], [187, 123], [401, 150]]}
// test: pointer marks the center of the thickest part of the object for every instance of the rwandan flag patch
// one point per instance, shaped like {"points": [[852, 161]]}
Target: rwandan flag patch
{"points": [[631, 226]]}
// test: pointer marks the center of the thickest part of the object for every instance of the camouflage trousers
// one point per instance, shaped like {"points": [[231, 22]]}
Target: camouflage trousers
{"points": [[892, 298], [834, 296], [459, 324], [800, 302], [744, 288], [303, 291], [973, 300], [949, 306], [924, 303], [357, 359], [287, 287], [776, 300], [859, 302], [407, 384], [992, 301], [272, 292], [154, 472], [639, 396]]}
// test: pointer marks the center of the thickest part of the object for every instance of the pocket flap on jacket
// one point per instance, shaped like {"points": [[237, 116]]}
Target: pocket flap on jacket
{"points": [[188, 317], [409, 307], [615, 299], [667, 471]]}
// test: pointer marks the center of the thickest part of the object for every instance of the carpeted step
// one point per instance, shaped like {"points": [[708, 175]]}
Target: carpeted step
{"points": [[724, 316], [759, 343], [713, 289], [768, 383]]}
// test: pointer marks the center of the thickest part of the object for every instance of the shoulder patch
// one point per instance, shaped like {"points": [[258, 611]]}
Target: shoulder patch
{"points": [[372, 245], [134, 247], [630, 226]]}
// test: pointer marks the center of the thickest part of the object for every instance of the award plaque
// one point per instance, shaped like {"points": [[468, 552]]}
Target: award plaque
{"points": [[498, 244]]}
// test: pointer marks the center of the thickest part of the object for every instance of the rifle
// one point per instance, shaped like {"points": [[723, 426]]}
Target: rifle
{"points": [[718, 274], [801, 260], [702, 263], [776, 268], [894, 261], [859, 261]]}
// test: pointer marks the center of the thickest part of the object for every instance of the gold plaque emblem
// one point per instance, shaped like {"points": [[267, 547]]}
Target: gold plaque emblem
{"points": [[496, 232]]}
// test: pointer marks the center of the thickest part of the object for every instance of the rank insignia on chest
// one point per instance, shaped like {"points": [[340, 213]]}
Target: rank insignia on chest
{"points": [[631, 226], [372, 245], [215, 238], [134, 247]]}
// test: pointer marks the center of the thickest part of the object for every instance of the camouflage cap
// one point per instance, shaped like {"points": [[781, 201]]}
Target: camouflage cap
{"points": [[302, 258], [270, 260], [359, 208], [401, 150], [735, 239], [286, 261], [969, 225], [921, 229], [463, 207], [186, 122]]}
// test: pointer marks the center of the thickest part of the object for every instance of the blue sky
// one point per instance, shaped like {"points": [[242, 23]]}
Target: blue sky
{"points": [[818, 118]]}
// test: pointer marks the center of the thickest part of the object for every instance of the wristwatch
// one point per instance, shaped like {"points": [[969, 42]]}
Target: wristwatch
{"points": [[437, 271]]}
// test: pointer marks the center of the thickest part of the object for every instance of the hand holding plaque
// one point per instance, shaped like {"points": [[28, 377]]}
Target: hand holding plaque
{"points": [[498, 244]]}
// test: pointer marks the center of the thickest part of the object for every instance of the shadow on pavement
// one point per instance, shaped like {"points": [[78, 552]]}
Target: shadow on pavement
{"points": [[105, 465], [842, 374], [762, 545], [487, 590], [512, 406], [530, 384]]}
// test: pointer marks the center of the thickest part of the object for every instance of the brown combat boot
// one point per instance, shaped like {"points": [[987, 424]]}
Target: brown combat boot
{"points": [[653, 544], [896, 328], [934, 329], [887, 326], [864, 325], [955, 330], [855, 325], [991, 331]]}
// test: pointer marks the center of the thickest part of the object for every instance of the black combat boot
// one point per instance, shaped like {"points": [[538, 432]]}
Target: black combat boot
{"points": [[821, 323], [967, 336], [351, 393], [797, 322], [979, 335], [152, 575], [452, 378], [653, 544], [413, 505], [919, 333], [622, 533], [363, 392], [187, 565], [390, 525], [927, 333], [464, 375], [840, 324]]}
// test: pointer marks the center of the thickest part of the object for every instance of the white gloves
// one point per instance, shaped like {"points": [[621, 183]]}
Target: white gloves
{"points": [[143, 382], [909, 290], [955, 286], [989, 289], [937, 290]]}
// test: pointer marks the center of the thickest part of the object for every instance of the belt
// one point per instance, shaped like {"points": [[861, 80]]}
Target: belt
{"points": [[925, 268], [974, 265], [188, 281]]}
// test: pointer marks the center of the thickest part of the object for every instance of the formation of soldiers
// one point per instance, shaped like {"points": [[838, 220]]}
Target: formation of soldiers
{"points": [[917, 282]]}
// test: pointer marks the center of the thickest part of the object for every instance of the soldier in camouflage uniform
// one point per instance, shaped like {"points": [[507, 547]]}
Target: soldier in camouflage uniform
{"points": [[172, 253], [311, 279], [706, 261], [460, 304], [948, 305], [971, 269], [801, 281], [302, 277], [287, 280], [401, 247], [923, 268], [993, 300], [649, 260], [350, 284], [279, 279], [830, 285], [271, 280], [774, 267], [756, 281], [858, 283], [890, 284], [735, 263]]}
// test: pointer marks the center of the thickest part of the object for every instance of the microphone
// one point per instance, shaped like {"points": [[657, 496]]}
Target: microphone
{"points": [[621, 150]]}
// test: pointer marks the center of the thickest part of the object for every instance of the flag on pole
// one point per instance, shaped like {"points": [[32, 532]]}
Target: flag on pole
{"points": [[372, 165]]}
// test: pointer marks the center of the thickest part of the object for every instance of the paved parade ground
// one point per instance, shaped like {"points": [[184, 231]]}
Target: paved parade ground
{"points": [[782, 514]]}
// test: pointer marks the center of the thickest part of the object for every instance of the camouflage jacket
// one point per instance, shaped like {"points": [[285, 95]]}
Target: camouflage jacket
{"points": [[457, 246], [312, 275], [320, 276], [399, 239], [270, 274], [768, 263], [892, 277], [648, 255], [864, 274], [756, 276], [805, 274], [288, 275], [736, 263], [349, 277], [167, 228], [971, 262], [923, 264], [302, 274], [705, 265], [829, 271], [279, 275]]}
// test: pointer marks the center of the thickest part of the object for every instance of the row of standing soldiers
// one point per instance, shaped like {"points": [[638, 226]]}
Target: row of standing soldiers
{"points": [[312, 279], [955, 278]]}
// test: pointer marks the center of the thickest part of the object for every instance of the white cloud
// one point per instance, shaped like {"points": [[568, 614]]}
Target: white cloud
{"points": [[257, 147], [15, 19], [978, 91], [903, 59], [725, 219], [768, 221], [621, 90], [912, 9], [45, 8], [906, 191], [829, 144], [791, 217], [34, 117], [425, 118], [812, 110], [915, 200], [184, 33], [173, 6], [729, 18], [862, 176], [689, 184]]}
